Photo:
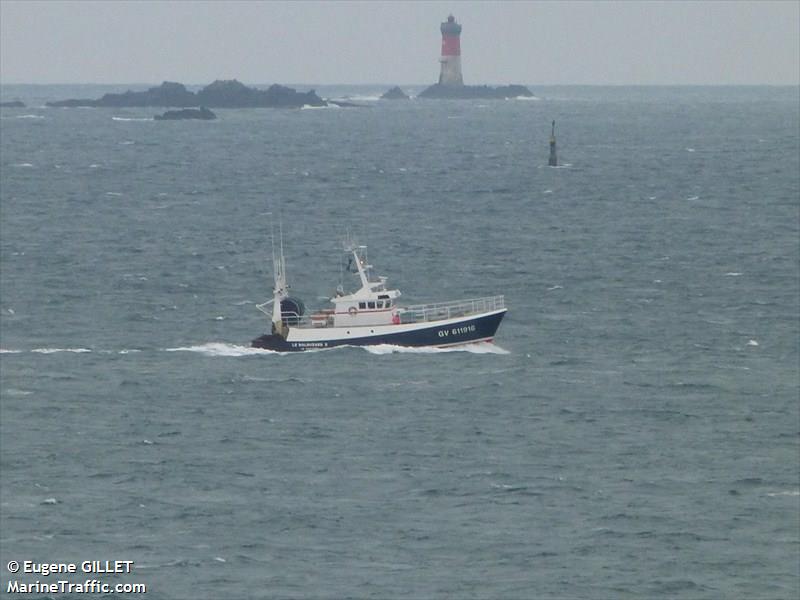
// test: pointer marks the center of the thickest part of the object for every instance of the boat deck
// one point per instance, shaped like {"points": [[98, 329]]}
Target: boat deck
{"points": [[419, 313]]}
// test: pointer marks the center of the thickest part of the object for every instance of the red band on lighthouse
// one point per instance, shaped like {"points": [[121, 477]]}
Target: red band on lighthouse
{"points": [[451, 45]]}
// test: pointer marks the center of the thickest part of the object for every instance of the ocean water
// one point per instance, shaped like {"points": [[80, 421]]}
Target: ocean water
{"points": [[633, 433]]}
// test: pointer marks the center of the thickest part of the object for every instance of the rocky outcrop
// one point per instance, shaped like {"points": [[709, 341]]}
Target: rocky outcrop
{"points": [[12, 104], [477, 92], [234, 94], [220, 94], [394, 94], [167, 94], [187, 113]]}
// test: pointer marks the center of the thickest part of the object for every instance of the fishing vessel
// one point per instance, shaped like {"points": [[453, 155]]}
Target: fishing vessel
{"points": [[372, 315]]}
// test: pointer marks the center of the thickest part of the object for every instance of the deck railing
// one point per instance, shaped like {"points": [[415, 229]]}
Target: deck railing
{"points": [[448, 310], [418, 313]]}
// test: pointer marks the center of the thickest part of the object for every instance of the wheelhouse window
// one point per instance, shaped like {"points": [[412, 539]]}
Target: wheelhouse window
{"points": [[370, 305], [362, 305]]}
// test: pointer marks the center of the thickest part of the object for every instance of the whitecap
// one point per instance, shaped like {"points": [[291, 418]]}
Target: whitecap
{"points": [[555, 287], [219, 559], [94, 166], [528, 98], [29, 117], [54, 350], [752, 343], [127, 143], [125, 351], [14, 392], [131, 118], [113, 193], [49, 501], [475, 348], [310, 107], [784, 493], [23, 165], [732, 274], [6, 351], [693, 198], [221, 349], [219, 318], [547, 192], [690, 149]]}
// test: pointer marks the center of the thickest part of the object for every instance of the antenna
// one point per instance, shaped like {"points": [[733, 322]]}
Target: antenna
{"points": [[272, 237], [280, 230]]}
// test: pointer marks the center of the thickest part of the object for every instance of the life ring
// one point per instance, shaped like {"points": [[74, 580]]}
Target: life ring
{"points": [[353, 311]]}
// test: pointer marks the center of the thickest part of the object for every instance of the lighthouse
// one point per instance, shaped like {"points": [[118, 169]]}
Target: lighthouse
{"points": [[451, 53]]}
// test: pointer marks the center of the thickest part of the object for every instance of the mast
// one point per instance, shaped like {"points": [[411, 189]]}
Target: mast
{"points": [[279, 291], [553, 161], [359, 256], [362, 268]]}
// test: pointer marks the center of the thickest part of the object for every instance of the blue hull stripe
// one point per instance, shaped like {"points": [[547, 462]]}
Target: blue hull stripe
{"points": [[463, 332]]}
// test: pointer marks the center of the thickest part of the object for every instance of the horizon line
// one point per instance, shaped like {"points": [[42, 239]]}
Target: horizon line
{"points": [[307, 84]]}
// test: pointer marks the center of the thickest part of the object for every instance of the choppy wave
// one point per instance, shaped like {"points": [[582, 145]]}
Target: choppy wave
{"points": [[358, 98]]}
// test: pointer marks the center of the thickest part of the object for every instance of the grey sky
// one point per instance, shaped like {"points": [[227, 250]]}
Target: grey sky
{"points": [[627, 42]]}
